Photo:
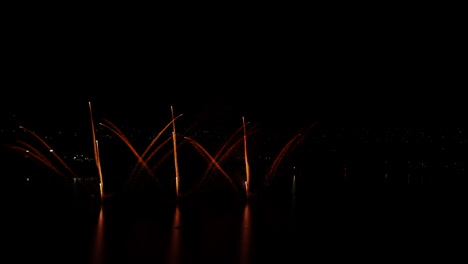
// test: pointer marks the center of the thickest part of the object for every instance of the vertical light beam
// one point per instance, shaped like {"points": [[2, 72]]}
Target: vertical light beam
{"points": [[96, 153], [176, 165], [247, 168]]}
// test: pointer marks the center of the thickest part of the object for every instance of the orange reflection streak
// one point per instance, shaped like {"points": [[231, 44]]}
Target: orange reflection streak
{"points": [[98, 244], [119, 133], [246, 236], [175, 245], [210, 158], [53, 152]]}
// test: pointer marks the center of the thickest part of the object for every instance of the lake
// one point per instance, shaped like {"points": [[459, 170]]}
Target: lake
{"points": [[329, 223]]}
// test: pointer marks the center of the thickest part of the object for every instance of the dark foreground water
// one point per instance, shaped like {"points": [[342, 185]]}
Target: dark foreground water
{"points": [[326, 225]]}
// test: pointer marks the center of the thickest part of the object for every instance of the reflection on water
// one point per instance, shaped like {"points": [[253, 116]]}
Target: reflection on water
{"points": [[336, 224], [165, 232], [246, 235], [98, 245], [174, 250]]}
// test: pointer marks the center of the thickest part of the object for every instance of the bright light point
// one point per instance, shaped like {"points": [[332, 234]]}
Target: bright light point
{"points": [[51, 150], [27, 150], [27, 179]]}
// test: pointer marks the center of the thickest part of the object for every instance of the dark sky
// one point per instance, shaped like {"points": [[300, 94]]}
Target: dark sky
{"points": [[353, 70]]}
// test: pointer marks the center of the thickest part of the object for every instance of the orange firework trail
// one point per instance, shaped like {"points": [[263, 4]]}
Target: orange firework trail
{"points": [[34, 153], [148, 157], [203, 151], [223, 147], [53, 152], [121, 135], [288, 147], [247, 168], [176, 165], [96, 153], [220, 158], [159, 135], [167, 154], [306, 131], [279, 158]]}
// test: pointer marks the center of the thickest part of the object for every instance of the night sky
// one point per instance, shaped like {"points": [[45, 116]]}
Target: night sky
{"points": [[353, 69]]}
